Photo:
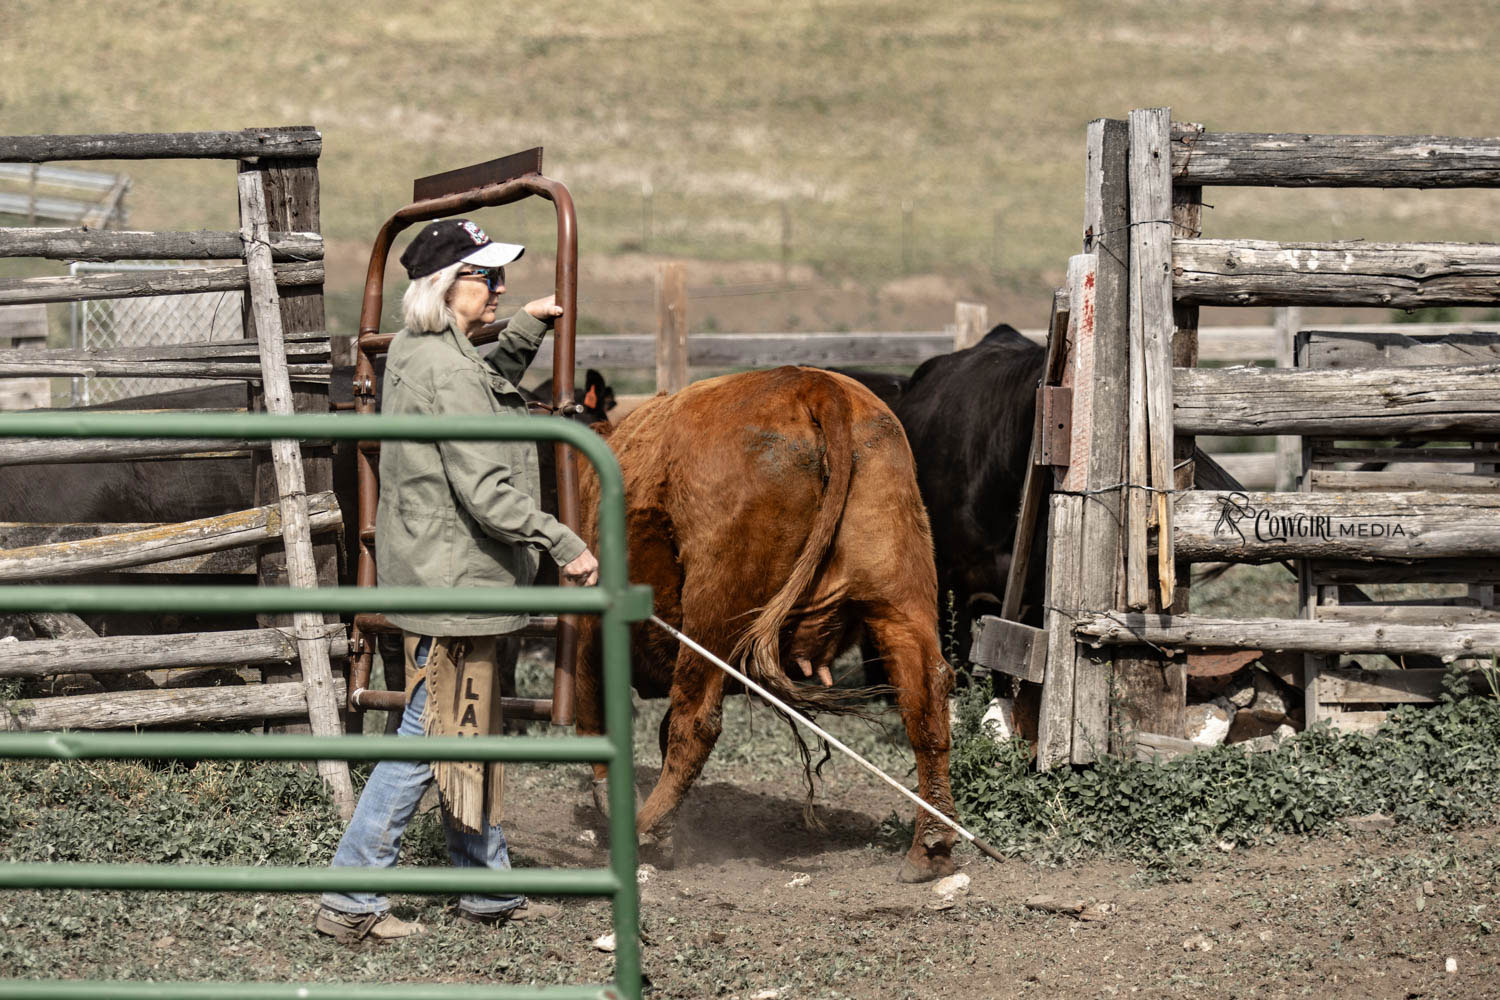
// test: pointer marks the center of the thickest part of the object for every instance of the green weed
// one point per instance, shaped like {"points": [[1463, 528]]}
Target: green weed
{"points": [[1435, 767]]}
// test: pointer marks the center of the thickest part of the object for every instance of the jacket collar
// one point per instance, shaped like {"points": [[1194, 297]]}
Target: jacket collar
{"points": [[457, 341]]}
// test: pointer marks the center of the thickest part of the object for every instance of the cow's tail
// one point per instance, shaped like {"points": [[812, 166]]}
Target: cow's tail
{"points": [[759, 649]]}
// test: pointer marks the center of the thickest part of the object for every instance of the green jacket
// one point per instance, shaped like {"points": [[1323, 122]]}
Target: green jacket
{"points": [[462, 513]]}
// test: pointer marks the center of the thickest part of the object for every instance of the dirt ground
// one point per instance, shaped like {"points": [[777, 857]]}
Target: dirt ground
{"points": [[758, 907], [1362, 915]]}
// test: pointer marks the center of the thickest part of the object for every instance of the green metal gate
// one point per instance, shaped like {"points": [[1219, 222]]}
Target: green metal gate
{"points": [[614, 599]]}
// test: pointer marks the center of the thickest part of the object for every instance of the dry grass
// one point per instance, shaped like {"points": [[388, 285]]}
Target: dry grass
{"points": [[972, 110]]}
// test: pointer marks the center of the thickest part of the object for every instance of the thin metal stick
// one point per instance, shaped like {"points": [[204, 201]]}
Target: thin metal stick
{"points": [[833, 740]]}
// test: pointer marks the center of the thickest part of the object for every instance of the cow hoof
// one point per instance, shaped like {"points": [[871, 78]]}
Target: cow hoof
{"points": [[659, 849], [920, 865], [601, 797]]}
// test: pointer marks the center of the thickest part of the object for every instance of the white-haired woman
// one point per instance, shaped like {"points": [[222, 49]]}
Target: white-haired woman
{"points": [[453, 514]]}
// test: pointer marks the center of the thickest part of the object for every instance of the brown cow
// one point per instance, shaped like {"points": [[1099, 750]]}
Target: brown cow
{"points": [[775, 515]]}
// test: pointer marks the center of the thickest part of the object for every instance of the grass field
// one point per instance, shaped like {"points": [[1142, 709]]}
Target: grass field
{"points": [[972, 113]]}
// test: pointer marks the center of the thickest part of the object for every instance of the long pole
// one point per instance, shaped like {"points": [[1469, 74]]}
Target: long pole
{"points": [[832, 740]]}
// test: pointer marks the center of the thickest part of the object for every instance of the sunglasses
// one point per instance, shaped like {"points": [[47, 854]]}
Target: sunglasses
{"points": [[493, 277]]}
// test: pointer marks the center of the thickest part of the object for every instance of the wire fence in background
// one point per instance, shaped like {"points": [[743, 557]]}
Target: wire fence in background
{"points": [[104, 324]]}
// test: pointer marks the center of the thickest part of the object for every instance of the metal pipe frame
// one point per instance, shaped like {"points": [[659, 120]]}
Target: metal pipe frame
{"points": [[614, 599], [371, 342]]}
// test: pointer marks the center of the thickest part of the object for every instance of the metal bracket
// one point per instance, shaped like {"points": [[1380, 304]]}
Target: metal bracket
{"points": [[1054, 407]]}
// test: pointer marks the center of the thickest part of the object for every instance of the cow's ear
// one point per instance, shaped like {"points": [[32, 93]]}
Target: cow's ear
{"points": [[594, 380]]}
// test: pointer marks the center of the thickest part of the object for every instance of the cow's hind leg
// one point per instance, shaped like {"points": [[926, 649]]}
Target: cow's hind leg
{"points": [[588, 702], [695, 717], [922, 680]]}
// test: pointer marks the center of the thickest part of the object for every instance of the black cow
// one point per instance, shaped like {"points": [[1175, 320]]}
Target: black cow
{"points": [[168, 490], [968, 416], [886, 386], [146, 491]]}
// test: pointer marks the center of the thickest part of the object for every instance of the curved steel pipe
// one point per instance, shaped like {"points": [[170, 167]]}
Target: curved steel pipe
{"points": [[371, 342]]}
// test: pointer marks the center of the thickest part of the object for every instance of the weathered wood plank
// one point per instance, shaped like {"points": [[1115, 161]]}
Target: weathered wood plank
{"points": [[49, 451], [671, 328], [1131, 628], [1262, 527], [1034, 487], [292, 196], [124, 653], [1011, 648], [121, 244], [1349, 571], [1389, 275], [1156, 748], [1401, 687], [291, 479], [1077, 375], [1360, 402], [1151, 329], [24, 325], [227, 562], [1055, 725], [1338, 349], [138, 284], [306, 347], [212, 370], [1299, 160], [163, 542], [1409, 614], [138, 709], [1106, 223], [1330, 480], [296, 141], [1289, 447], [1328, 451], [761, 350]]}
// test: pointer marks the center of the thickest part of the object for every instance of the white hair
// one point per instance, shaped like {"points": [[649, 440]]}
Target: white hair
{"points": [[424, 306]]}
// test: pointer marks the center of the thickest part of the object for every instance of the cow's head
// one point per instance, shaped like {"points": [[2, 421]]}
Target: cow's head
{"points": [[596, 398]]}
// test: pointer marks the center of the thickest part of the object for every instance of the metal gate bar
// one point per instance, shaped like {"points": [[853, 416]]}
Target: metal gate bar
{"points": [[615, 600]]}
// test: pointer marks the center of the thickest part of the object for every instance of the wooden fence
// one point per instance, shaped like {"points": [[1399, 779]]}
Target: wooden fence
{"points": [[278, 263], [673, 352], [1126, 522]]}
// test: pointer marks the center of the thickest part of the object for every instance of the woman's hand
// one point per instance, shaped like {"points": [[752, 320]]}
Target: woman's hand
{"points": [[582, 571], [544, 309]]}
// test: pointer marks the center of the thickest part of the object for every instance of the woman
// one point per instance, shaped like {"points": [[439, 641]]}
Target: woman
{"points": [[453, 514]]}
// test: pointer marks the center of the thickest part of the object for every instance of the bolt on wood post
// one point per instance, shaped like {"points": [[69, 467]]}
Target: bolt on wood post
{"points": [[671, 328]]}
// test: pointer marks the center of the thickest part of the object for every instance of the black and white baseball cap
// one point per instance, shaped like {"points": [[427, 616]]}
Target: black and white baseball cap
{"points": [[448, 241]]}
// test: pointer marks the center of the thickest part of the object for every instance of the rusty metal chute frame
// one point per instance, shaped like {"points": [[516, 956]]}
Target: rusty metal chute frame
{"points": [[485, 185]]}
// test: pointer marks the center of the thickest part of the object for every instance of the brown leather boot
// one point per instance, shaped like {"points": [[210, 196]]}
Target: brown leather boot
{"points": [[352, 928]]}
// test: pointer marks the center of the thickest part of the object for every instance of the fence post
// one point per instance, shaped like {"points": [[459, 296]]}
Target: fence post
{"points": [[970, 322], [671, 328], [646, 213], [906, 236], [300, 561], [786, 241], [1288, 446]]}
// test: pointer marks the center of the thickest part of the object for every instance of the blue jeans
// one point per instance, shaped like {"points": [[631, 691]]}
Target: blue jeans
{"points": [[386, 807]]}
